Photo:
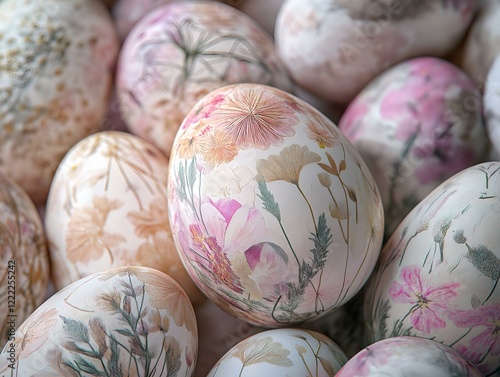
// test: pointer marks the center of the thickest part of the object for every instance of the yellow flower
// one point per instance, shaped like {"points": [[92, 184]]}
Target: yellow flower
{"points": [[288, 165]]}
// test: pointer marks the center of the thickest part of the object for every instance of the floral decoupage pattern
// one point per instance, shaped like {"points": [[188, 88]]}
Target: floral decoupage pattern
{"points": [[416, 125], [282, 352], [274, 213], [408, 357], [24, 269], [437, 276], [128, 321], [107, 207], [56, 63], [180, 52]]}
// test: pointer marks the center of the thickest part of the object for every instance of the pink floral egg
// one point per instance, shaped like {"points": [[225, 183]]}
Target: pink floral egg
{"points": [[492, 105], [274, 213], [416, 125], [133, 321], [408, 356], [107, 208], [437, 276], [56, 59], [335, 48], [180, 52], [24, 259]]}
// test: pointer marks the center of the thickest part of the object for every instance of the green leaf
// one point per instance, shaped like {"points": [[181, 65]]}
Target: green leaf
{"points": [[192, 173], [84, 366], [322, 240], [270, 205], [485, 261], [76, 330], [459, 237], [173, 356], [113, 362], [125, 332], [75, 348]]}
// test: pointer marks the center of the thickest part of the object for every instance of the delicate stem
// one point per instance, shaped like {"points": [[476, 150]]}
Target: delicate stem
{"points": [[309, 205], [491, 293], [338, 220], [459, 339], [289, 243], [241, 370]]}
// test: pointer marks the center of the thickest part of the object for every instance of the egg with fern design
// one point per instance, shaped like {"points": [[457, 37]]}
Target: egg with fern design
{"points": [[437, 276], [274, 213], [128, 320]]}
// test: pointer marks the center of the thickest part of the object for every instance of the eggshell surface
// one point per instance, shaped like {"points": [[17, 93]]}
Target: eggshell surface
{"points": [[437, 276], [408, 357], [107, 208], [132, 321], [56, 60], [274, 213], [335, 48], [416, 125], [180, 52], [282, 352], [24, 267]]}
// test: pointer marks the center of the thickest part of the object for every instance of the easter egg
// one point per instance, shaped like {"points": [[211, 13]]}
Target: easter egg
{"points": [[274, 213]]}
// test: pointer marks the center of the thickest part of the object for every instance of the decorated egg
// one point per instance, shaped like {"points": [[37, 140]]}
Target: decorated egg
{"points": [[274, 213], [56, 60], [132, 321], [416, 125], [107, 207], [180, 52], [282, 352], [482, 44], [437, 276], [408, 357], [24, 259], [335, 48], [492, 104]]}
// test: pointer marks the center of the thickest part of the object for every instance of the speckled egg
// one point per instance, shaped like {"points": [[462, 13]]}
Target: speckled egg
{"points": [[133, 321], [282, 352], [408, 357], [437, 276], [180, 52], [334, 48], [492, 105], [415, 126], [274, 213], [107, 207], [56, 62], [24, 259]]}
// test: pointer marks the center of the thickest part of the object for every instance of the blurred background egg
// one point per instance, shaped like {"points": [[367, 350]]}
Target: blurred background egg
{"points": [[130, 320], [437, 276], [492, 105], [334, 48], [56, 63], [274, 213], [282, 352], [24, 268], [416, 125], [107, 208], [180, 52], [408, 357]]}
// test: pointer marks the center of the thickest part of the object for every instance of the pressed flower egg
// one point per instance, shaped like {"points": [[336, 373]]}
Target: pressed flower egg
{"points": [[282, 352], [437, 276], [408, 357], [334, 48], [416, 125], [274, 213], [132, 321], [56, 63], [492, 105], [181, 51], [107, 207], [24, 259]]}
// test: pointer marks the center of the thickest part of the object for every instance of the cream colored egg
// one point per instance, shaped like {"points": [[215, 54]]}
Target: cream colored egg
{"points": [[24, 268], [107, 208], [437, 276], [56, 63], [334, 48], [130, 321], [282, 352], [181, 51]]}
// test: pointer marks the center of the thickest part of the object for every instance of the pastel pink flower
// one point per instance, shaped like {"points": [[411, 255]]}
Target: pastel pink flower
{"points": [[486, 317], [429, 303]]}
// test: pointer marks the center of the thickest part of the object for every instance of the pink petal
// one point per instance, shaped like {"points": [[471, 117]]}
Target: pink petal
{"points": [[426, 320]]}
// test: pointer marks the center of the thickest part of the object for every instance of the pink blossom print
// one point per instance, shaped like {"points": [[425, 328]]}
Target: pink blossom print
{"points": [[429, 302]]}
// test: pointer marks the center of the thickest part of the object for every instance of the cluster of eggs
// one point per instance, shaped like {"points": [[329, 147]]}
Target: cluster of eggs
{"points": [[325, 172]]}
